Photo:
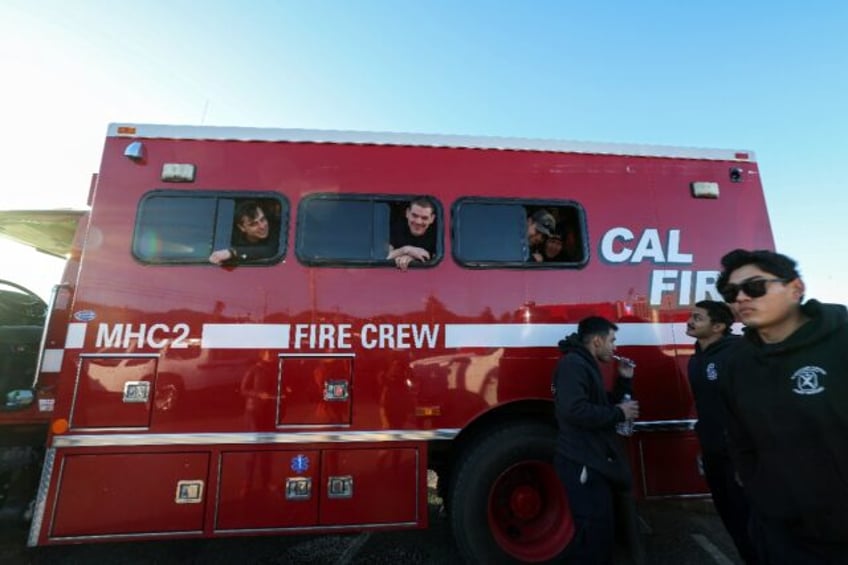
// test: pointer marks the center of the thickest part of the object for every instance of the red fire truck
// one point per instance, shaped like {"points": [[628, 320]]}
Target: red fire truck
{"points": [[159, 395]]}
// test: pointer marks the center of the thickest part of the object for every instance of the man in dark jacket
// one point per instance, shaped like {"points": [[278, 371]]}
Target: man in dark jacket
{"points": [[254, 237], [590, 458], [785, 392], [415, 238], [710, 323]]}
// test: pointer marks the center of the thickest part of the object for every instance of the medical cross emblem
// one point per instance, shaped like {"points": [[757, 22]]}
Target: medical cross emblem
{"points": [[300, 463], [807, 380]]}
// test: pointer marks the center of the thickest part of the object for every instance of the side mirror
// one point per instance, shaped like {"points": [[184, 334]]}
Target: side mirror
{"points": [[19, 399]]}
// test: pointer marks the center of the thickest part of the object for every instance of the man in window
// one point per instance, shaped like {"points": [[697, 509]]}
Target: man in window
{"points": [[540, 225], [253, 236], [414, 239]]}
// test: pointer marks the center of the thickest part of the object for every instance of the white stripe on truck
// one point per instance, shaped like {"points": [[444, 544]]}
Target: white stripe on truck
{"points": [[547, 335], [245, 336]]}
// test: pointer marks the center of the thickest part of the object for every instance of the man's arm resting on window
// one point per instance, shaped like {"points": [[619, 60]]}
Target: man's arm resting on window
{"points": [[254, 252], [417, 253]]}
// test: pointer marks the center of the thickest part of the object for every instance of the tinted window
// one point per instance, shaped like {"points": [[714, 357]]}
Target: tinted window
{"points": [[496, 233], [345, 230], [178, 227], [350, 229], [488, 231]]}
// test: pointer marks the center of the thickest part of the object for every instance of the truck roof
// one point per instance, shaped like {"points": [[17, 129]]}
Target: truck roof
{"points": [[158, 131]]}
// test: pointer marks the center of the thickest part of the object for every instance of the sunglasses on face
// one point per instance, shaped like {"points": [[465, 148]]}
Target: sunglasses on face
{"points": [[753, 288]]}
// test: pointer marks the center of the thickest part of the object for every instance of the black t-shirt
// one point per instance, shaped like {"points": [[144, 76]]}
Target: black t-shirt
{"points": [[252, 251], [400, 236]]}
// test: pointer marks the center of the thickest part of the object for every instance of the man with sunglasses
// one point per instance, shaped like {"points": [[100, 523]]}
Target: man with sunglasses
{"points": [[785, 394]]}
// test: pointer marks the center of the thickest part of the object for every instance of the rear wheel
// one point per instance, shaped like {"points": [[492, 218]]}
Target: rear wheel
{"points": [[507, 503]]}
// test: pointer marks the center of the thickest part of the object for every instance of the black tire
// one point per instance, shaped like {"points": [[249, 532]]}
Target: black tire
{"points": [[506, 502]]}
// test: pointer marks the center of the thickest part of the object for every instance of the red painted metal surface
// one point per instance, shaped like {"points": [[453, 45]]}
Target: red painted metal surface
{"points": [[669, 463], [114, 494], [99, 395], [393, 386], [385, 486], [253, 490], [302, 400]]}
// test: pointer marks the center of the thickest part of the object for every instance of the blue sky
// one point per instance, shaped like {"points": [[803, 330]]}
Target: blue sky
{"points": [[765, 76]]}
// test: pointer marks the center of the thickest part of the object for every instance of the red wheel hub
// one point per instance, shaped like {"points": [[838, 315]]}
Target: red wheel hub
{"points": [[525, 502], [528, 512]]}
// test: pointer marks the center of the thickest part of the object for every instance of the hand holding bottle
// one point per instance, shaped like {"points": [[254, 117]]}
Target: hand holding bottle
{"points": [[630, 408]]}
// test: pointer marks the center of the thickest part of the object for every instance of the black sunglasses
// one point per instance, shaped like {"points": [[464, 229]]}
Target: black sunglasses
{"points": [[753, 288]]}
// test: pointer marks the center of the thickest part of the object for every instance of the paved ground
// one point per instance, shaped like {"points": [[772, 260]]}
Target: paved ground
{"points": [[674, 532]]}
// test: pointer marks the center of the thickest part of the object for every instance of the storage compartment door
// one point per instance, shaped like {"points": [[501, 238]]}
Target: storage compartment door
{"points": [[114, 392], [131, 494], [315, 391], [371, 486], [671, 464], [268, 489]]}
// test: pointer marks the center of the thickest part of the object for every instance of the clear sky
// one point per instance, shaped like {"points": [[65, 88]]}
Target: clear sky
{"points": [[771, 77]]}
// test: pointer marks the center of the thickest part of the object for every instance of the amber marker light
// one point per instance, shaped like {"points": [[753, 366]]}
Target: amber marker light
{"points": [[59, 426], [424, 411]]}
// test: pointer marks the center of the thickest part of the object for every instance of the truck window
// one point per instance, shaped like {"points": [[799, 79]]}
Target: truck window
{"points": [[518, 233], [356, 229], [186, 227]]}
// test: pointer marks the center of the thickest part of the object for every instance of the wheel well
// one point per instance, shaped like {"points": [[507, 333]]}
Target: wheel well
{"points": [[442, 455]]}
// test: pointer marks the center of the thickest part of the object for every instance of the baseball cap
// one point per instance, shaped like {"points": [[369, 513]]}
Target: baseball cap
{"points": [[545, 223]]}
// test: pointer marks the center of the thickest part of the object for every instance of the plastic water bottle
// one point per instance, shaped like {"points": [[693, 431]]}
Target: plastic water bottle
{"points": [[625, 428]]}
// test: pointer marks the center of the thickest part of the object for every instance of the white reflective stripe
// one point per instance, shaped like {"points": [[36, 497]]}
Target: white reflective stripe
{"points": [[245, 336], [76, 335], [547, 335], [52, 360], [650, 334], [506, 335]]}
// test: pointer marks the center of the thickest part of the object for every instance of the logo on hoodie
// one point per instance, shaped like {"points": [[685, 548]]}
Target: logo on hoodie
{"points": [[712, 372], [807, 380]]}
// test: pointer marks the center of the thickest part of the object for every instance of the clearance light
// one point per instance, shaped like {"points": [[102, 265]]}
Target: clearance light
{"points": [[425, 411], [135, 151], [59, 426], [705, 189], [178, 172]]}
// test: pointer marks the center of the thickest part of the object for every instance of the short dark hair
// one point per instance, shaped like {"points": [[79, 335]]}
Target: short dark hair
{"points": [[719, 313], [592, 326], [246, 209], [424, 202], [771, 262]]}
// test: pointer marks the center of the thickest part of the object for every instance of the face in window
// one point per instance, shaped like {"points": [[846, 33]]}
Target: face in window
{"points": [[553, 246], [255, 227], [419, 218], [534, 236]]}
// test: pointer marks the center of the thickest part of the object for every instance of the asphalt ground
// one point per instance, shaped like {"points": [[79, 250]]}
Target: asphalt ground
{"points": [[673, 532]]}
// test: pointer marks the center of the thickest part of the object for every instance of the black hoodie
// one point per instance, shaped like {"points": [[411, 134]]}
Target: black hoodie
{"points": [[586, 415], [706, 368], [787, 420]]}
